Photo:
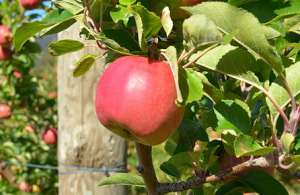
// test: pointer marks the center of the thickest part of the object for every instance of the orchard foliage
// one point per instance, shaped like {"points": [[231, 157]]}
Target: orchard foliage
{"points": [[26, 92], [237, 72]]}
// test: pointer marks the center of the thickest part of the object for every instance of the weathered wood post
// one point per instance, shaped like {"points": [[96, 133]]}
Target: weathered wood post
{"points": [[83, 142]]}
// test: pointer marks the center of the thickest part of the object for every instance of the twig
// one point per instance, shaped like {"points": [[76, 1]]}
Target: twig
{"points": [[164, 188]]}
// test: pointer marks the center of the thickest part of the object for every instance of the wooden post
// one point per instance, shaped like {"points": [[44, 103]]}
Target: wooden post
{"points": [[83, 141]]}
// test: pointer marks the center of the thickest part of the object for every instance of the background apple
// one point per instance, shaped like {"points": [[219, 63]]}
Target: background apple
{"points": [[5, 111], [5, 36], [24, 186], [176, 12], [5, 53], [228, 161], [30, 4], [29, 128], [17, 74], [50, 135], [135, 99]]}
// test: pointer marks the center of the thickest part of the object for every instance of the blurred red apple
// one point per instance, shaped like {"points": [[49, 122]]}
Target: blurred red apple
{"points": [[5, 111], [5, 53], [24, 186], [228, 161], [50, 135], [17, 74], [29, 128], [30, 4], [135, 99], [52, 95], [5, 36]]}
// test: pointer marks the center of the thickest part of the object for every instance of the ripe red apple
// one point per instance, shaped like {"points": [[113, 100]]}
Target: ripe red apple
{"points": [[135, 99], [174, 5], [228, 161], [29, 128], [17, 74], [50, 135], [52, 95], [5, 111], [30, 4], [5, 36], [24, 186], [5, 53]]}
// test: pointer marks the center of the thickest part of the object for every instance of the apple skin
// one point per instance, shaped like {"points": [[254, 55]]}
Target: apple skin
{"points": [[29, 128], [174, 5], [30, 4], [5, 53], [5, 36], [135, 99], [50, 135], [5, 111], [24, 186], [228, 161]]}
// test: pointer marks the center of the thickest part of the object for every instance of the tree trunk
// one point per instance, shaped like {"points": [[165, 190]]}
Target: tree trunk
{"points": [[83, 141]]}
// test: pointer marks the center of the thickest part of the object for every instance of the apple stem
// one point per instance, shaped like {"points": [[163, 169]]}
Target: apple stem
{"points": [[146, 168]]}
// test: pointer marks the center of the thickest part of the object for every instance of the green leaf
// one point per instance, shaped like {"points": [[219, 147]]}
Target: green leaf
{"points": [[230, 60], [26, 31], [120, 13], [171, 55], [245, 145], [61, 20], [127, 2], [227, 114], [287, 139], [198, 31], [278, 91], [83, 65], [170, 169], [181, 159], [148, 24], [74, 6], [230, 19], [228, 138], [65, 46], [123, 179], [166, 20], [190, 86], [122, 37], [262, 183], [232, 188], [213, 92]]}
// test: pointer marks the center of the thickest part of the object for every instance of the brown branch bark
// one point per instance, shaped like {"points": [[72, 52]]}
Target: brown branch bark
{"points": [[155, 188], [146, 168]]}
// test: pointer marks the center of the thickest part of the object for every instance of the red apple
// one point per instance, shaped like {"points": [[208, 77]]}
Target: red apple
{"points": [[17, 74], [29, 128], [5, 53], [174, 5], [24, 186], [50, 135], [30, 4], [52, 95], [135, 99], [5, 111], [228, 161], [5, 36]]}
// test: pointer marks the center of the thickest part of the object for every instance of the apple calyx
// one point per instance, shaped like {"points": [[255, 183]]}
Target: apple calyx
{"points": [[135, 99]]}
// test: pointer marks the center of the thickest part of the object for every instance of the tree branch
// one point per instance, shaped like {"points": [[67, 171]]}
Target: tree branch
{"points": [[146, 168], [164, 188]]}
